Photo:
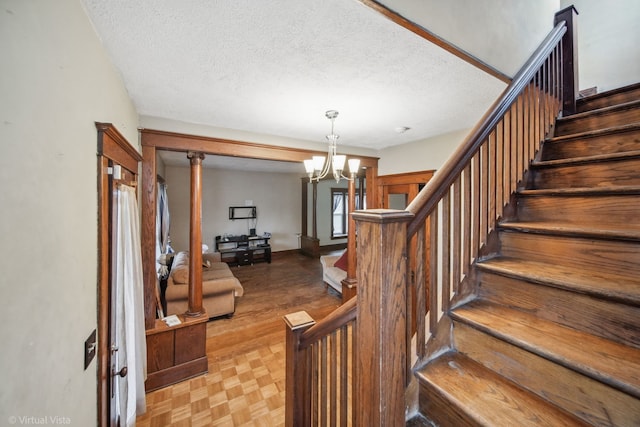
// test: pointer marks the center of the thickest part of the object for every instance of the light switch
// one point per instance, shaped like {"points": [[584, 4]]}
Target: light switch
{"points": [[89, 349]]}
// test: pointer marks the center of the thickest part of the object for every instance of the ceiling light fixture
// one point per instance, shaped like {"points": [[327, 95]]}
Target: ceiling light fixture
{"points": [[402, 129], [317, 168]]}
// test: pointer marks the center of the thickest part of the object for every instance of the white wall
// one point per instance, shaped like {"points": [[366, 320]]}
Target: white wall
{"points": [[422, 155], [608, 35], [277, 197], [501, 33], [55, 82]]}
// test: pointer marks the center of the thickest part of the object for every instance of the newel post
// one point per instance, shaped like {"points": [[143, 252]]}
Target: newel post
{"points": [[570, 87], [381, 319], [298, 371]]}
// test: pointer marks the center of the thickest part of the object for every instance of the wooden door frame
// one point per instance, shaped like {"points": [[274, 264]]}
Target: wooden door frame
{"points": [[410, 179], [154, 140], [112, 148], [408, 183]]}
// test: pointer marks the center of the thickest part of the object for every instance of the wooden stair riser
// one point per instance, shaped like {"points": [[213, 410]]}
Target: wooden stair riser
{"points": [[598, 119], [619, 96], [457, 391], [602, 256], [580, 395], [612, 210], [614, 142], [557, 312], [440, 409], [607, 319], [621, 172], [606, 361]]}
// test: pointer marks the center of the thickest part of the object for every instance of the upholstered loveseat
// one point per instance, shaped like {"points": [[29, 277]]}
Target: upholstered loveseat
{"points": [[219, 286], [333, 274]]}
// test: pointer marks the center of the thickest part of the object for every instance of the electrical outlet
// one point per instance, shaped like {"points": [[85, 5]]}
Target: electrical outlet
{"points": [[89, 349]]}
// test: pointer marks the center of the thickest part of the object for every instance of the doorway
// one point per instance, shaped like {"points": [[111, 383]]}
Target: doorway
{"points": [[115, 154]]}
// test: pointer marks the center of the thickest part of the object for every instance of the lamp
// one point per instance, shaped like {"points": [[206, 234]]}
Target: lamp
{"points": [[317, 168]]}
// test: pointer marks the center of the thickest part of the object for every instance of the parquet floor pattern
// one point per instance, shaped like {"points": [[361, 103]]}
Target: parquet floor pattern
{"points": [[246, 353]]}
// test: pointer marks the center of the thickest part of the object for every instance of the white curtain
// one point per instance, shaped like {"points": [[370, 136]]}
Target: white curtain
{"points": [[130, 332]]}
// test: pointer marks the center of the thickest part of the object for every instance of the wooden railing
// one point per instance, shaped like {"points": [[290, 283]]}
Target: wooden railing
{"points": [[319, 361], [352, 368], [455, 216]]}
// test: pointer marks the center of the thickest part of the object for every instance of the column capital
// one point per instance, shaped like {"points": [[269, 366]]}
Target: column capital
{"points": [[196, 157]]}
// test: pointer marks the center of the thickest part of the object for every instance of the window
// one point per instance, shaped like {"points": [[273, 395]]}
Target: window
{"points": [[340, 212]]}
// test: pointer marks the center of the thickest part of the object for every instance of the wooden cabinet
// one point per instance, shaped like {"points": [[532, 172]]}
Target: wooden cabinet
{"points": [[243, 250], [175, 353]]}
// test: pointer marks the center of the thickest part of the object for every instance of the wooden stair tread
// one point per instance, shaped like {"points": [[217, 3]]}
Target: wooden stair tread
{"points": [[609, 92], [583, 103], [594, 133], [598, 231], [618, 114], [631, 105], [593, 282], [587, 159], [488, 398], [582, 191], [607, 361]]}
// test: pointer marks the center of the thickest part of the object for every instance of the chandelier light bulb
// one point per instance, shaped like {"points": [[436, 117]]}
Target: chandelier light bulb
{"points": [[318, 167]]}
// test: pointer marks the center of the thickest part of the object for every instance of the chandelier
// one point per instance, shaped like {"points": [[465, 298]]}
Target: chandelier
{"points": [[317, 168]]}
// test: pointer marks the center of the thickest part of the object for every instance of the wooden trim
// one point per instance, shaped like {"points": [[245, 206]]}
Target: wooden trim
{"points": [[175, 374], [103, 291], [283, 254], [314, 210], [304, 209], [112, 148], [433, 38], [113, 145], [148, 233], [333, 247], [372, 187], [421, 177], [345, 220], [394, 184], [171, 141]]}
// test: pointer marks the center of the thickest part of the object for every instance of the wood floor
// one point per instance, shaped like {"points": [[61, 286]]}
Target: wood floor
{"points": [[246, 353]]}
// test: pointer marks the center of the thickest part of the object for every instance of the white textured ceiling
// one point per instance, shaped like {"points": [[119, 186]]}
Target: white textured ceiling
{"points": [[274, 67]]}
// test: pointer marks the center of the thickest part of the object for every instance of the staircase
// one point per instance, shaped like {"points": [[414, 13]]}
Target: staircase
{"points": [[552, 336]]}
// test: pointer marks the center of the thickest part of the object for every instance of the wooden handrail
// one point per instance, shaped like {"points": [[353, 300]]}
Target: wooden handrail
{"points": [[435, 189], [338, 318], [456, 214], [452, 220]]}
